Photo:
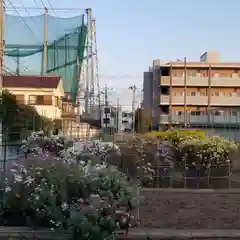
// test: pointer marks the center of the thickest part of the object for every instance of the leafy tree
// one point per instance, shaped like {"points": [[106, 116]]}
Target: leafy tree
{"points": [[20, 119]]}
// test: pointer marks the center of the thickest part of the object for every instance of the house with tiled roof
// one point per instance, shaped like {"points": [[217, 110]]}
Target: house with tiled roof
{"points": [[43, 92]]}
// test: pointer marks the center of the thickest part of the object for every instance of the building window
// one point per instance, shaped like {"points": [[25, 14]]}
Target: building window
{"points": [[225, 74], [20, 98], [33, 99], [59, 103], [193, 94], [179, 94], [55, 101], [179, 113], [191, 74], [40, 100]]}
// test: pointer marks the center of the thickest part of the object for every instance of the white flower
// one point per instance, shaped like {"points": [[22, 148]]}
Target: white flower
{"points": [[8, 189], [18, 178], [64, 206]]}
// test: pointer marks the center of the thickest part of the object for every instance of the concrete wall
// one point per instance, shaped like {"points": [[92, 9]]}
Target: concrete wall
{"points": [[190, 209], [147, 90]]}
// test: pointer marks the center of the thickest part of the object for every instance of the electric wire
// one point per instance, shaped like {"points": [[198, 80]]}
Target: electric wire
{"points": [[31, 17], [50, 5], [22, 19], [35, 2]]}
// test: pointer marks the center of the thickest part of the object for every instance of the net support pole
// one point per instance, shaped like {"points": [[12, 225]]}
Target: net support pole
{"points": [[92, 66], [88, 62], [78, 103], [45, 42], [96, 67]]}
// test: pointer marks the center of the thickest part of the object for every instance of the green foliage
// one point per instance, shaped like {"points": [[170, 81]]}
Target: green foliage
{"points": [[19, 119], [48, 190], [138, 157], [187, 148], [174, 136], [207, 151]]}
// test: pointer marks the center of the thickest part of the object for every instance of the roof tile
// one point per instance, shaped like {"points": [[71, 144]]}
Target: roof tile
{"points": [[30, 81]]}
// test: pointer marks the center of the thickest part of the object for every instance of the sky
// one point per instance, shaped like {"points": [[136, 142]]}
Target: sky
{"points": [[131, 33]]}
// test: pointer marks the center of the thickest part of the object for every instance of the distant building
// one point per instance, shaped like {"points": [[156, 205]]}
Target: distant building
{"points": [[193, 94], [126, 121], [111, 117]]}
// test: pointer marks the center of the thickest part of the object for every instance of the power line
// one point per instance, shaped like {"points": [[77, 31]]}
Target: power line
{"points": [[120, 76], [15, 9], [43, 3], [28, 13], [50, 5], [43, 8], [35, 2]]}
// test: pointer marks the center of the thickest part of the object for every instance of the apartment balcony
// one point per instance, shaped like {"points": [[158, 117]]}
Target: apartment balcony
{"points": [[179, 100], [201, 100], [204, 120], [225, 101], [201, 81]]}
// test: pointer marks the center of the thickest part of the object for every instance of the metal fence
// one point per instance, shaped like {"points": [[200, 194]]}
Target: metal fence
{"points": [[215, 176]]}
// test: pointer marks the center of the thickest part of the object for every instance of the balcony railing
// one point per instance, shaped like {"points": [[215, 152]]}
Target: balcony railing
{"points": [[215, 81], [201, 100], [200, 120]]}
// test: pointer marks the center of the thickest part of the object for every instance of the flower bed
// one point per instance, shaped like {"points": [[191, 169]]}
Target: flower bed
{"points": [[67, 185]]}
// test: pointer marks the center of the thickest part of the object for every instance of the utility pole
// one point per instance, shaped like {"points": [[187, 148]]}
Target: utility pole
{"points": [[105, 105], [185, 92], [118, 115], [2, 143], [133, 88], [106, 96], [2, 45], [45, 42]]}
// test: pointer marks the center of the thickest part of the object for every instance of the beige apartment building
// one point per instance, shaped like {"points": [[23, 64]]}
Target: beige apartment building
{"points": [[195, 94]]}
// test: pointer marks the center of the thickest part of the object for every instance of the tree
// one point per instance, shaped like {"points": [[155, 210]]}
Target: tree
{"points": [[20, 119]]}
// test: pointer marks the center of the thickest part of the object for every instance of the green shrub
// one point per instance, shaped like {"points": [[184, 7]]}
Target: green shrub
{"points": [[207, 151], [174, 136], [46, 190]]}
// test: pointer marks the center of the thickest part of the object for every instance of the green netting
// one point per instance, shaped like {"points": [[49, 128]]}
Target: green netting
{"points": [[66, 39]]}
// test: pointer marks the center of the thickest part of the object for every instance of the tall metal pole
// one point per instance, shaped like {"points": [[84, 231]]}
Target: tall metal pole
{"points": [[117, 115], [170, 120], [95, 51], [106, 95], [209, 94], [185, 92], [92, 64], [2, 148], [133, 88], [45, 42], [88, 55], [78, 96], [105, 102]]}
